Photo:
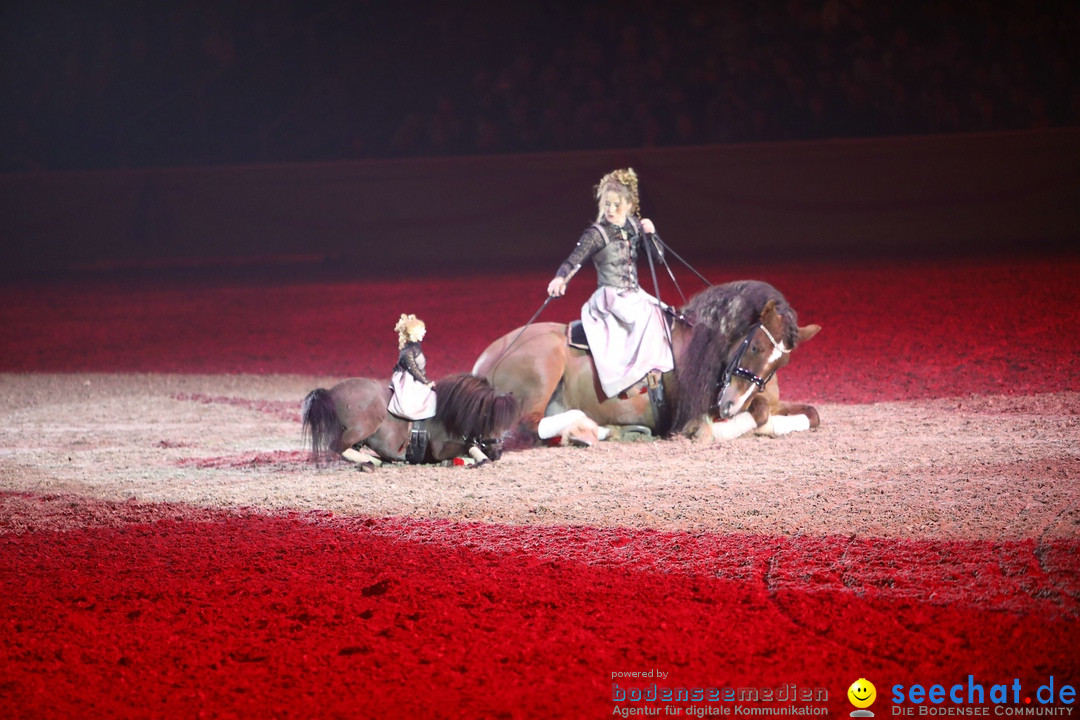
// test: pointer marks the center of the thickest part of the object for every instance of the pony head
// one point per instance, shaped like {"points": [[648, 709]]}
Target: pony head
{"points": [[470, 408]]}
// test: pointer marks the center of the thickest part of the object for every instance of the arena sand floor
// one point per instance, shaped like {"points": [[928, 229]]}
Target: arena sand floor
{"points": [[156, 559]]}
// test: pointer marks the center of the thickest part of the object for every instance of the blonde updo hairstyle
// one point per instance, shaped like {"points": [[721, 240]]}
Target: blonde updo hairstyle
{"points": [[407, 327], [625, 183]]}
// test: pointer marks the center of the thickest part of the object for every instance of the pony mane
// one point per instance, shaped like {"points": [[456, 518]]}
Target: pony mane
{"points": [[721, 316], [469, 406]]}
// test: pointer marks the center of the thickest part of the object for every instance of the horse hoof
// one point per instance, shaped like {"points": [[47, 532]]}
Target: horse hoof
{"points": [[366, 467], [631, 433]]}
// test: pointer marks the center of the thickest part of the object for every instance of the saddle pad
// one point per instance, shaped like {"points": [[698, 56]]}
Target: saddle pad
{"points": [[575, 336], [575, 333]]}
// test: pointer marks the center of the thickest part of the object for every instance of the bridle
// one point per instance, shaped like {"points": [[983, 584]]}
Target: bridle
{"points": [[735, 368]]}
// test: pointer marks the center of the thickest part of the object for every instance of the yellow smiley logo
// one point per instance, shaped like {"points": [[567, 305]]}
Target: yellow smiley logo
{"points": [[862, 693]]}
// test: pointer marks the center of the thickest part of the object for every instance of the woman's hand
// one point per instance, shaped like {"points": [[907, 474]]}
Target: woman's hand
{"points": [[557, 287], [647, 226]]}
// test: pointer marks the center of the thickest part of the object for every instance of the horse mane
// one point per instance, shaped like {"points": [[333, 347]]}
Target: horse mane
{"points": [[721, 315], [469, 406]]}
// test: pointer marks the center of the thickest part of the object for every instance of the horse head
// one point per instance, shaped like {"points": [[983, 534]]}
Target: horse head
{"points": [[753, 362], [741, 333]]}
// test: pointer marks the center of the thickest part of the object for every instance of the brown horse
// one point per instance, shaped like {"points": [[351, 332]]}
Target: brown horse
{"points": [[728, 342], [351, 420]]}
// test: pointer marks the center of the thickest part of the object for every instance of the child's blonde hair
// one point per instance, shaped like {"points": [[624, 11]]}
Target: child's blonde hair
{"points": [[406, 328]]}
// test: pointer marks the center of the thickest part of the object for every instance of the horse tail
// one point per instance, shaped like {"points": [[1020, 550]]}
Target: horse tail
{"points": [[322, 429], [469, 406]]}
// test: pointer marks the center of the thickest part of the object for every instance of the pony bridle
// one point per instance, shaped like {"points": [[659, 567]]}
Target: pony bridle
{"points": [[735, 368]]}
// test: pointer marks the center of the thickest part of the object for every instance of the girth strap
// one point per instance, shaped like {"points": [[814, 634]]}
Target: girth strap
{"points": [[661, 409], [658, 401], [416, 452]]}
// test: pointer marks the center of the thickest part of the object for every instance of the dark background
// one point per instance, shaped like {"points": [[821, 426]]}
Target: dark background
{"points": [[388, 136], [194, 82]]}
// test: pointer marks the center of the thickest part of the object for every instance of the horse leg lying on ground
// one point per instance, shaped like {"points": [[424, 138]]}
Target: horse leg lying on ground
{"points": [[767, 415], [619, 418], [783, 418], [533, 373]]}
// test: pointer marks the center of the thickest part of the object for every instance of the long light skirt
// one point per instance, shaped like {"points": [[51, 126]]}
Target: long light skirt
{"points": [[626, 335], [412, 399]]}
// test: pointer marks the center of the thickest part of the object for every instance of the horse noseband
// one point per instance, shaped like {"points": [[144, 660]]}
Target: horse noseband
{"points": [[751, 377]]}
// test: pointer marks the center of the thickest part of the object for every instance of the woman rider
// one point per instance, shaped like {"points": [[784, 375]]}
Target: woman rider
{"points": [[625, 325]]}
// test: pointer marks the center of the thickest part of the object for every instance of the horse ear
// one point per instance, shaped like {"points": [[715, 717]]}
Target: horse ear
{"points": [[768, 312], [808, 331]]}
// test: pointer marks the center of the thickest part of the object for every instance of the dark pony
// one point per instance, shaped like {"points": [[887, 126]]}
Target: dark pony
{"points": [[719, 315], [353, 414]]}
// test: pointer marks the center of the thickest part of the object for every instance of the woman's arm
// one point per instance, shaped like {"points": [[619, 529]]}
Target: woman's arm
{"points": [[589, 242]]}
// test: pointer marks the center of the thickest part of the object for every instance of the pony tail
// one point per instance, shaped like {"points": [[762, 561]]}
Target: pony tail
{"points": [[321, 430]]}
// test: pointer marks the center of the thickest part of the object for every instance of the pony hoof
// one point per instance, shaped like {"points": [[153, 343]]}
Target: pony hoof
{"points": [[367, 467]]}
